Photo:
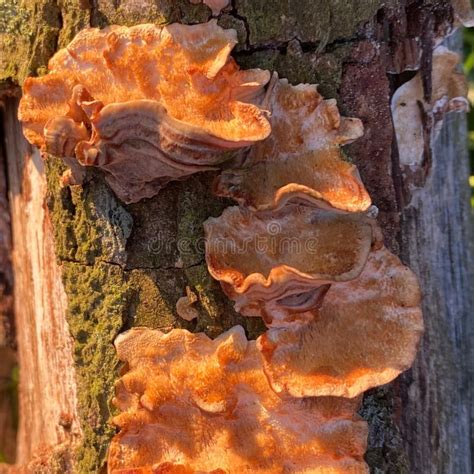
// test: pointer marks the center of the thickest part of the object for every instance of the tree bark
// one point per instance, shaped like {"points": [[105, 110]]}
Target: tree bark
{"points": [[87, 266]]}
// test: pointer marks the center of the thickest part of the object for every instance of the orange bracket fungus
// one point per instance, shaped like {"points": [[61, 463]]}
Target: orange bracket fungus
{"points": [[263, 259], [364, 335], [190, 404], [146, 104], [302, 158], [303, 252]]}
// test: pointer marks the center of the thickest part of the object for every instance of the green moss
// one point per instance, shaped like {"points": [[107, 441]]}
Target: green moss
{"points": [[154, 297], [62, 211], [195, 204], [97, 301], [90, 223], [31, 31], [102, 225], [75, 16], [28, 36]]}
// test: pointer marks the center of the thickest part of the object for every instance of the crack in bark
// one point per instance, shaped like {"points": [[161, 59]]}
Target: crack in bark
{"points": [[126, 268]]}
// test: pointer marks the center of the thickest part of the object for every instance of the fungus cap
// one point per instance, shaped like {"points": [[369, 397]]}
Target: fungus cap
{"points": [[364, 335], [302, 158], [147, 104], [263, 259], [199, 405]]}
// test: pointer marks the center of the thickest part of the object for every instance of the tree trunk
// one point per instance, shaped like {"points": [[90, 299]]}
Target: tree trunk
{"points": [[87, 266]]}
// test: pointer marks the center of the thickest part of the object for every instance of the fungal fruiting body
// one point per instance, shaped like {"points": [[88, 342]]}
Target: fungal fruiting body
{"points": [[302, 159], [146, 104], [184, 306], [192, 404], [262, 260], [343, 313], [412, 114], [149, 105], [364, 334]]}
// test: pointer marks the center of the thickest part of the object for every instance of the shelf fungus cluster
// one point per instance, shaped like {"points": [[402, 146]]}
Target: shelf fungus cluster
{"points": [[304, 252], [146, 104], [301, 250]]}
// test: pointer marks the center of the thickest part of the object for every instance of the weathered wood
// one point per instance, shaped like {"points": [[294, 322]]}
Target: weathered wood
{"points": [[435, 241], [47, 401]]}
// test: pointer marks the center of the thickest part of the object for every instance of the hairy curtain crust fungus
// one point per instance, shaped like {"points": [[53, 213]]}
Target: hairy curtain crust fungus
{"points": [[275, 261], [364, 335], [146, 104], [302, 158], [410, 110], [193, 405]]}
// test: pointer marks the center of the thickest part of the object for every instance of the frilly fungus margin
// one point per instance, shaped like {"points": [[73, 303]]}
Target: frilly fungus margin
{"points": [[318, 342], [146, 104]]}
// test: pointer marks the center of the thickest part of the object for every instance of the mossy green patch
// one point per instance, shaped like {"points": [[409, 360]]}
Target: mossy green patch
{"points": [[154, 294], [102, 225], [97, 300], [28, 37], [75, 15], [90, 222], [195, 204]]}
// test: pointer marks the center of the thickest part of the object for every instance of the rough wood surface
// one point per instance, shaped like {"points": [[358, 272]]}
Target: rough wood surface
{"points": [[47, 401], [435, 236]]}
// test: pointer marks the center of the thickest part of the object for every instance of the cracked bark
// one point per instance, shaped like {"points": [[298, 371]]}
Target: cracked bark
{"points": [[113, 266]]}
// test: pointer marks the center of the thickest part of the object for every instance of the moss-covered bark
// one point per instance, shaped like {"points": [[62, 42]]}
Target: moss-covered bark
{"points": [[127, 266]]}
